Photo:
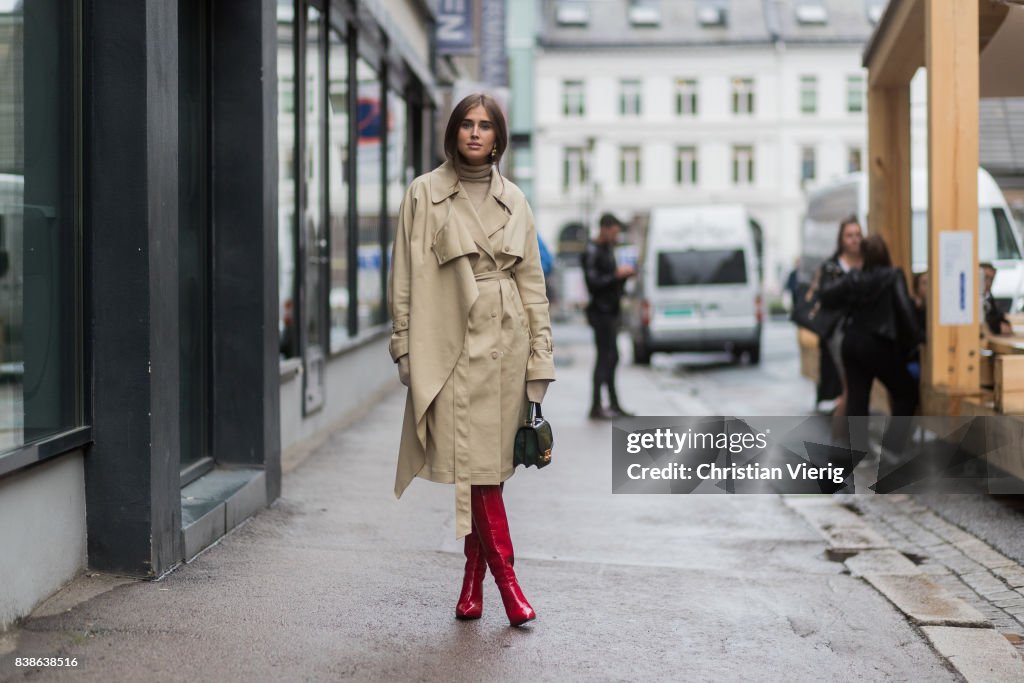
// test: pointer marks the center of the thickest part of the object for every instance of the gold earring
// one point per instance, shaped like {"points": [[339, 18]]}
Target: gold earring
{"points": [[494, 152]]}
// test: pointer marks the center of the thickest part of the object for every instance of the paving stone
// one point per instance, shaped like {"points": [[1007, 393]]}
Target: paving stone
{"points": [[881, 562], [979, 654], [984, 554], [1013, 575], [926, 602]]}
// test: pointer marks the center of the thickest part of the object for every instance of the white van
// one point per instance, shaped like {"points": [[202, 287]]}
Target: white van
{"points": [[698, 286], [999, 241]]}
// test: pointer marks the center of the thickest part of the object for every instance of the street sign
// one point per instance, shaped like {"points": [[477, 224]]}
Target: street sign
{"points": [[956, 278], [455, 27]]}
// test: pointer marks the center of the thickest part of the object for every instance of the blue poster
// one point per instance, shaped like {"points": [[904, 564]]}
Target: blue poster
{"points": [[455, 27]]}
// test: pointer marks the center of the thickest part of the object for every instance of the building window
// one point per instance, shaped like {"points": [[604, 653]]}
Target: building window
{"points": [[855, 94], [629, 166], [370, 180], [569, 13], [574, 168], [573, 104], [854, 159], [630, 98], [808, 165], [686, 97], [686, 166], [645, 13], [287, 242], [743, 165], [743, 96], [339, 297], [808, 94], [40, 338]]}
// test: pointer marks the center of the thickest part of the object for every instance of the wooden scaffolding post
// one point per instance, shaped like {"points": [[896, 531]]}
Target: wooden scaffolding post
{"points": [[889, 212], [952, 60]]}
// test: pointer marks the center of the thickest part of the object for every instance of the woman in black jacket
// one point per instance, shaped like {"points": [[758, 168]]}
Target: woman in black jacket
{"points": [[881, 331]]}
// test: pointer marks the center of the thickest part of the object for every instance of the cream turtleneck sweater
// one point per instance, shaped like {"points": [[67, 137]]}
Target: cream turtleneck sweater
{"points": [[476, 180]]}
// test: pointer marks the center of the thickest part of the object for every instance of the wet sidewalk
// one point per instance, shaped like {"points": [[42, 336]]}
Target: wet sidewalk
{"points": [[338, 580]]}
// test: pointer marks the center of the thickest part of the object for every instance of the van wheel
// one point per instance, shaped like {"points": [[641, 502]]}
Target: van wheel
{"points": [[641, 355]]}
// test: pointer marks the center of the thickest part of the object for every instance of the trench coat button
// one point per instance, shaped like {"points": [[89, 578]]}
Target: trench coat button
{"points": [[494, 354], [508, 249], [493, 314]]}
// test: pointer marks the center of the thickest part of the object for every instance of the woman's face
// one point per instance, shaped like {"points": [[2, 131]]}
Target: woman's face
{"points": [[476, 136], [851, 239]]}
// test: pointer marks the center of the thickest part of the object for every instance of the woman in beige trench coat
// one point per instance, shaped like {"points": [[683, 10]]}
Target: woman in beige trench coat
{"points": [[471, 337]]}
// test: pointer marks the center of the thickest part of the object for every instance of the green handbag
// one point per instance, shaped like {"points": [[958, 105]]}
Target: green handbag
{"points": [[533, 440]]}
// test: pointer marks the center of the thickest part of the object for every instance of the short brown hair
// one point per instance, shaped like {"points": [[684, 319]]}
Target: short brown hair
{"points": [[874, 252], [451, 132]]}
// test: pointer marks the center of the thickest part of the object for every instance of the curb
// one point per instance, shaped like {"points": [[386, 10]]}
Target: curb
{"points": [[957, 631]]}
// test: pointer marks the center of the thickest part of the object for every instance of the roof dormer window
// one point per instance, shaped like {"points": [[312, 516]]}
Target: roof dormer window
{"points": [[644, 13], [711, 15], [811, 14], [572, 14]]}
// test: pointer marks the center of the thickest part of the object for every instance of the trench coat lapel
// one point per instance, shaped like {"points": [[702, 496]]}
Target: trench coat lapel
{"points": [[496, 209], [473, 220]]}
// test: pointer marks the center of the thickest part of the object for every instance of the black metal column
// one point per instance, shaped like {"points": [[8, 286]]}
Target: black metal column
{"points": [[131, 214]]}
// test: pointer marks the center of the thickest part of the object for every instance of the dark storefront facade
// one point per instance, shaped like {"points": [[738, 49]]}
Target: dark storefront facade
{"points": [[196, 200]]}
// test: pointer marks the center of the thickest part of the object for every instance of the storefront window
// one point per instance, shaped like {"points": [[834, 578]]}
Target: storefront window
{"points": [[369, 176], [315, 239], [40, 358], [399, 163], [286, 194], [338, 159]]}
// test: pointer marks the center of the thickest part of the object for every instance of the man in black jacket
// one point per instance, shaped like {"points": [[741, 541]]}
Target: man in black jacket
{"points": [[605, 280]]}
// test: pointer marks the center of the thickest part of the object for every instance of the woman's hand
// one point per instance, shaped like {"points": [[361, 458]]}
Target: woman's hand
{"points": [[403, 369]]}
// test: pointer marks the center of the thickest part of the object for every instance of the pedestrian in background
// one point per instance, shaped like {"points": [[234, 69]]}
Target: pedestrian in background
{"points": [[472, 339], [994, 316], [605, 281], [881, 331], [919, 297], [845, 258]]}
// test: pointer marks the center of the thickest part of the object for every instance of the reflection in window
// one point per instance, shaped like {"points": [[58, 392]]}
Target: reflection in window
{"points": [[39, 335], [337, 95], [369, 176], [286, 235], [701, 267], [399, 164], [315, 240]]}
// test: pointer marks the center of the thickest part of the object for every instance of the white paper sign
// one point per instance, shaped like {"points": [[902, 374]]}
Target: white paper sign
{"points": [[956, 278]]}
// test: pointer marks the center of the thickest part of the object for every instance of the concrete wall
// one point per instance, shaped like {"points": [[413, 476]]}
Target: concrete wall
{"points": [[42, 533], [354, 379]]}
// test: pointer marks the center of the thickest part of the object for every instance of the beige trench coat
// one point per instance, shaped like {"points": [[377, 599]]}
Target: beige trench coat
{"points": [[468, 305]]}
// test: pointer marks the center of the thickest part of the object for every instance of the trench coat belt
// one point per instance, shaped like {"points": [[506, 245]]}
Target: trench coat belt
{"points": [[493, 275]]}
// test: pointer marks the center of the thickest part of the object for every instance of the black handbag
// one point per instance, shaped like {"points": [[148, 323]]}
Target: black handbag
{"points": [[809, 313], [533, 440]]}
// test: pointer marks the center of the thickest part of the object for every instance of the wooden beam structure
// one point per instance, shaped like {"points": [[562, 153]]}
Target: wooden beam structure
{"points": [[896, 50], [952, 60], [889, 208]]}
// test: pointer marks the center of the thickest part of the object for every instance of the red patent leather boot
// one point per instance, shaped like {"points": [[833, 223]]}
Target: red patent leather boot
{"points": [[492, 529], [471, 600]]}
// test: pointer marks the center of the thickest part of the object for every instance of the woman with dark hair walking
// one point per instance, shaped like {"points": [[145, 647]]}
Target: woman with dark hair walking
{"points": [[881, 332], [844, 259], [471, 338]]}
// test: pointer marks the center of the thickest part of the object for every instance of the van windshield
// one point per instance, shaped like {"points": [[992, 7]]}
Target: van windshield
{"points": [[701, 267], [996, 241]]}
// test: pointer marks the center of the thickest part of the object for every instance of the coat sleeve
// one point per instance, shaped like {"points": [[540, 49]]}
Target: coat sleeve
{"points": [[529, 278], [840, 292], [400, 278]]}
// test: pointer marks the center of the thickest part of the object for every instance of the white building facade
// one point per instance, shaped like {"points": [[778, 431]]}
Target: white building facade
{"points": [[757, 109]]}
